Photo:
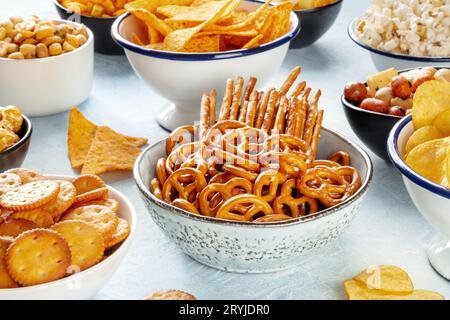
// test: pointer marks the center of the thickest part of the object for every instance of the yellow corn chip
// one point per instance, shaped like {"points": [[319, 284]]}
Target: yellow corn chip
{"points": [[191, 14], [136, 39], [151, 5], [253, 42], [109, 151], [150, 19], [155, 46], [281, 20], [203, 44], [237, 33], [79, 138]]}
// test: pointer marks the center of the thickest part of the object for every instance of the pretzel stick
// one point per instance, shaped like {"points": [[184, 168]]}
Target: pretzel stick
{"points": [[234, 110], [300, 116], [270, 111], [311, 117], [251, 111], [290, 81], [290, 121], [306, 93], [300, 87], [227, 99], [212, 107], [249, 88], [281, 115], [204, 116], [243, 111], [261, 110], [315, 137]]}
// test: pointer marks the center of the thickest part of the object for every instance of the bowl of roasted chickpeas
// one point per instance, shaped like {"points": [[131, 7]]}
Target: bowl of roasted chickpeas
{"points": [[373, 107], [98, 16], [46, 66]]}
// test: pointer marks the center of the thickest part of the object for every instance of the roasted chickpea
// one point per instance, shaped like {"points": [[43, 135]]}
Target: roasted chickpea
{"points": [[67, 47], [16, 56], [396, 111], [442, 75], [3, 49], [28, 51], [81, 39], [42, 50], [55, 49], [375, 105], [16, 20], [355, 92], [44, 32], [384, 94], [420, 80], [400, 87], [72, 40], [13, 47], [2, 33], [404, 104], [53, 39]]}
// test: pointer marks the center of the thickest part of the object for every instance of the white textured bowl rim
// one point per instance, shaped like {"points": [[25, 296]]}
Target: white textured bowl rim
{"points": [[198, 56], [352, 34], [34, 60], [101, 263], [364, 185], [397, 160]]}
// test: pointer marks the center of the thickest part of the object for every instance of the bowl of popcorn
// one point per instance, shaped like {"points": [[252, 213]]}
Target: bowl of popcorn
{"points": [[60, 237], [46, 66], [15, 137], [404, 34], [181, 50], [96, 15]]}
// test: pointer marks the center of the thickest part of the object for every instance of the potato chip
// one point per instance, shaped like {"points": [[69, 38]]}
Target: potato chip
{"points": [[422, 135], [430, 100], [442, 122], [386, 278], [428, 159]]}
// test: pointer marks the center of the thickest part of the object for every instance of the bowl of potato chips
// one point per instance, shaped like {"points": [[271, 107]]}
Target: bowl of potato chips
{"points": [[180, 50], [419, 146]]}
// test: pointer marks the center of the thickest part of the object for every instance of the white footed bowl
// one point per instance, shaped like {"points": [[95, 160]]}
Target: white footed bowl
{"points": [[182, 78], [384, 60], [45, 86], [87, 283], [246, 247], [431, 199]]}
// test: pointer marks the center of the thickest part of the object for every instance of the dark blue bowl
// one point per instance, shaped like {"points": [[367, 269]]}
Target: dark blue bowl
{"points": [[14, 156]]}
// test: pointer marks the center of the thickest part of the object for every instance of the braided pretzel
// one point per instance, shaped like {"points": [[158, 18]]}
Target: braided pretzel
{"points": [[341, 157], [286, 143], [267, 183], [245, 142], [179, 155], [215, 133], [232, 209], [239, 172], [291, 164], [177, 137], [185, 205], [156, 188], [226, 157], [226, 191], [273, 218], [188, 191], [299, 206]]}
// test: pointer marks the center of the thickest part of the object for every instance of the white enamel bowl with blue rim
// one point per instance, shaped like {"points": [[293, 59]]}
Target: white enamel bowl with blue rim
{"points": [[431, 199], [384, 60], [182, 78], [248, 247], [85, 284]]}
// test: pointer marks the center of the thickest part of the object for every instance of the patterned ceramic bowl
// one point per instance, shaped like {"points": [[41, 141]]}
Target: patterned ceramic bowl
{"points": [[253, 248]]}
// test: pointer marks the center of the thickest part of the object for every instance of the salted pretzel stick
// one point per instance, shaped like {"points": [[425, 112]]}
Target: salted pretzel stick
{"points": [[315, 137], [212, 107], [281, 115], [227, 99], [262, 108], [290, 120], [234, 110], [270, 111], [311, 117], [305, 94], [300, 117], [249, 88], [251, 110], [243, 111], [300, 87], [204, 116], [290, 81]]}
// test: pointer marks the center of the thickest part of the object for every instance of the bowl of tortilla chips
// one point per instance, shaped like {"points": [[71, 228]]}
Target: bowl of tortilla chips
{"points": [[182, 48]]}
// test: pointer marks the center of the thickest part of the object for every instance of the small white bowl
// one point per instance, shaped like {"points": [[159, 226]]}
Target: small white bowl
{"points": [[46, 86], [431, 199], [384, 60], [87, 283], [181, 78], [250, 247]]}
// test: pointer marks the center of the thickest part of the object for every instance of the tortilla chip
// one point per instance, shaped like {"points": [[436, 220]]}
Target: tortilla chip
{"points": [[203, 44], [151, 20], [79, 138], [191, 14], [253, 43], [151, 5], [110, 151], [281, 20]]}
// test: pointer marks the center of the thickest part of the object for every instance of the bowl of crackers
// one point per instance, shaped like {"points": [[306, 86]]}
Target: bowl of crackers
{"points": [[15, 137], [46, 66], [60, 237], [258, 187], [182, 49]]}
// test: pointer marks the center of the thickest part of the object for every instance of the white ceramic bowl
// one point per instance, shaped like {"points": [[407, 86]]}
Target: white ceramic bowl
{"points": [[246, 247], [181, 78], [384, 60], [87, 283], [431, 199], [45, 86]]}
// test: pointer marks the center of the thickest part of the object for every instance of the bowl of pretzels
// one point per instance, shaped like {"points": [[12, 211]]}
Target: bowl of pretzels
{"points": [[259, 184]]}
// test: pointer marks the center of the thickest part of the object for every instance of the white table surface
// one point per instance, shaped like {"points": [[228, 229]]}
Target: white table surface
{"points": [[387, 230]]}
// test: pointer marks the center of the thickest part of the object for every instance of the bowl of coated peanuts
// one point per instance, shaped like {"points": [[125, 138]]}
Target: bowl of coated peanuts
{"points": [[46, 66]]}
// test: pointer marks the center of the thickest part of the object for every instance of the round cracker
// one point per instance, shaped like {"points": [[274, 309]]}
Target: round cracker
{"points": [[92, 195], [13, 227], [30, 196], [89, 187], [39, 216], [85, 241], [110, 203], [5, 279], [121, 233], [64, 199], [101, 217], [8, 182], [38, 256], [26, 175], [170, 295]]}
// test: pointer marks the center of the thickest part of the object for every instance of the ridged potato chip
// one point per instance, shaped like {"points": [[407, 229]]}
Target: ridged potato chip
{"points": [[442, 122], [422, 135], [386, 278]]}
